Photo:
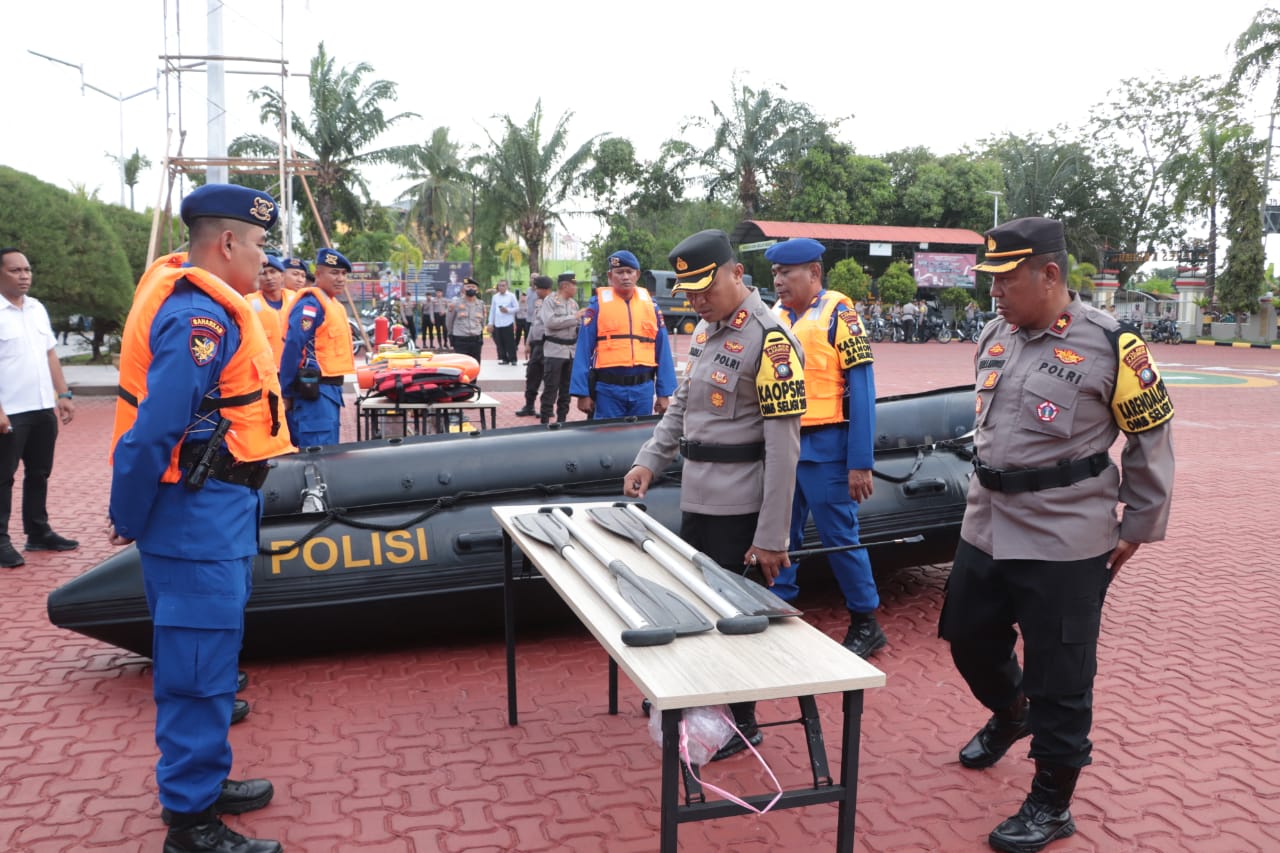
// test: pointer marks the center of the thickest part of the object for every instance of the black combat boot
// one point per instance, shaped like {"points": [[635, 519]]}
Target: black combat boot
{"points": [[236, 797], [744, 716], [527, 411], [865, 637], [993, 740], [202, 832], [1045, 815]]}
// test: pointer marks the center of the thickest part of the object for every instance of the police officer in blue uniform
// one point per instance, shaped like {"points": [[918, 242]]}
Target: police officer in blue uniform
{"points": [[313, 389], [837, 432], [190, 352]]}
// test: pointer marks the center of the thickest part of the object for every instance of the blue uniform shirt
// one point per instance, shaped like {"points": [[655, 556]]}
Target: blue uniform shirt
{"points": [[168, 519], [299, 344]]}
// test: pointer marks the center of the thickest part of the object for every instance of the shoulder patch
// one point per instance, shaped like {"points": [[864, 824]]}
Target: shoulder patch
{"points": [[588, 316], [780, 377], [850, 342], [206, 334], [1140, 401]]}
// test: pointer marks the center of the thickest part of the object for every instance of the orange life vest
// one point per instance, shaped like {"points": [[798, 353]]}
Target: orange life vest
{"points": [[626, 332], [248, 389], [824, 387], [332, 341], [275, 321]]}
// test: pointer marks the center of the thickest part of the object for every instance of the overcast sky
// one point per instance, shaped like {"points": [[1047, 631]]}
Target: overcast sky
{"points": [[937, 74]]}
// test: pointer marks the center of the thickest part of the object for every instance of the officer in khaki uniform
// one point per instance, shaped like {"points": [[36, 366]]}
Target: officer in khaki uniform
{"points": [[735, 418], [558, 317], [1057, 381], [467, 319]]}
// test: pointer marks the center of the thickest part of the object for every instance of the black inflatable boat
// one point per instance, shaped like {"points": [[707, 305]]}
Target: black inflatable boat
{"points": [[392, 541]]}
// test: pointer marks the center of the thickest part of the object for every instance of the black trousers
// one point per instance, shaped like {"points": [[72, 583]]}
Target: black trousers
{"points": [[533, 373], [522, 330], [1057, 606], [504, 338], [725, 539], [556, 373], [436, 330], [469, 345], [31, 443]]}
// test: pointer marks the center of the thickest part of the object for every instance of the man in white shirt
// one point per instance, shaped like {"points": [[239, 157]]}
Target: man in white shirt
{"points": [[33, 398], [502, 323]]}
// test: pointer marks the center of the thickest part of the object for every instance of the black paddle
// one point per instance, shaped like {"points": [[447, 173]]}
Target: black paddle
{"points": [[660, 605], [749, 597], [549, 530], [616, 520]]}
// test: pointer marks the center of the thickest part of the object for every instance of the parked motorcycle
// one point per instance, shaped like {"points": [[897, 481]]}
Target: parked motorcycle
{"points": [[969, 329], [933, 326], [1166, 331], [877, 329]]}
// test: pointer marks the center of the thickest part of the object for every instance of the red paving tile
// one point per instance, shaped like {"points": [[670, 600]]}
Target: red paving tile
{"points": [[408, 750]]}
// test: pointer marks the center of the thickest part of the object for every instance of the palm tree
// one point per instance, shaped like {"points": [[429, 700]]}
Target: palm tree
{"points": [[529, 178], [756, 134], [132, 166], [1257, 52], [440, 194], [346, 119]]}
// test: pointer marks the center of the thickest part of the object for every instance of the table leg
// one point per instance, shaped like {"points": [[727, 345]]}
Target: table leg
{"points": [[509, 621], [613, 687], [849, 770], [670, 780]]}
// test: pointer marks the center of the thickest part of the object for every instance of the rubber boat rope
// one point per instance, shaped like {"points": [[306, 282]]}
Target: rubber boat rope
{"points": [[340, 515], [961, 446]]}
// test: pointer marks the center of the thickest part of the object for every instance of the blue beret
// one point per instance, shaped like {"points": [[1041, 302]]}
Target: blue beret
{"points": [[332, 258], [228, 201], [296, 264], [275, 262], [798, 250], [623, 258]]}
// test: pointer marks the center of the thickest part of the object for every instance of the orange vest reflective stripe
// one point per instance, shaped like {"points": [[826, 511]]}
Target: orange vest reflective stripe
{"points": [[275, 321], [626, 332], [248, 388], [824, 389], [332, 341]]}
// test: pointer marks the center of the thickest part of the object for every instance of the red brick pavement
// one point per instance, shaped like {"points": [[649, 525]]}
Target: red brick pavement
{"points": [[408, 750]]}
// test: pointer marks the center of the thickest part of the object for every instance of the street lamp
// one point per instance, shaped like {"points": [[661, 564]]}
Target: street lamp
{"points": [[995, 206], [118, 98]]}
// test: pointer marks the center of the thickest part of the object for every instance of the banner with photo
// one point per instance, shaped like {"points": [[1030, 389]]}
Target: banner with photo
{"points": [[939, 269]]}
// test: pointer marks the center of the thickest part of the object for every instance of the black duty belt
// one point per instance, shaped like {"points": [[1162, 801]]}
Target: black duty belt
{"points": [[332, 380], [696, 451], [564, 342], [623, 379], [1065, 473], [224, 467], [809, 430]]}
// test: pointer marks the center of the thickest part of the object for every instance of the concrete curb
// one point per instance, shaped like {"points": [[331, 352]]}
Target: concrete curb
{"points": [[1238, 344]]}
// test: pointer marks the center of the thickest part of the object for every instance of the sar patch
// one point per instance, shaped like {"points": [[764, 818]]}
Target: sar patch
{"points": [[700, 338], [780, 377], [734, 346], [740, 319], [717, 399], [992, 378], [719, 377], [1067, 356], [209, 325], [1046, 412], [1140, 401], [204, 346], [850, 342], [996, 349]]}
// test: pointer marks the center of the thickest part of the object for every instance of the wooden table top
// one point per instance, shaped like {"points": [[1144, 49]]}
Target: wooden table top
{"points": [[789, 658]]}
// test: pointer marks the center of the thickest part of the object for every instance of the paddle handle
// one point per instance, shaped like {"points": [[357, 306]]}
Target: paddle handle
{"points": [[836, 549]]}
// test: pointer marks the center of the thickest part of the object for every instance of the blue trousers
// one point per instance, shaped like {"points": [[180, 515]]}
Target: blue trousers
{"points": [[823, 489], [620, 401], [314, 423], [197, 610]]}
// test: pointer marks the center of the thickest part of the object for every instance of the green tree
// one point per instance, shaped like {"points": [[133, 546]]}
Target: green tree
{"points": [[751, 137], [831, 183], [1080, 275], [404, 256], [1241, 282], [79, 262], [1257, 52], [529, 177], [849, 278], [897, 285], [346, 119], [955, 298], [942, 192], [133, 167], [440, 197]]}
